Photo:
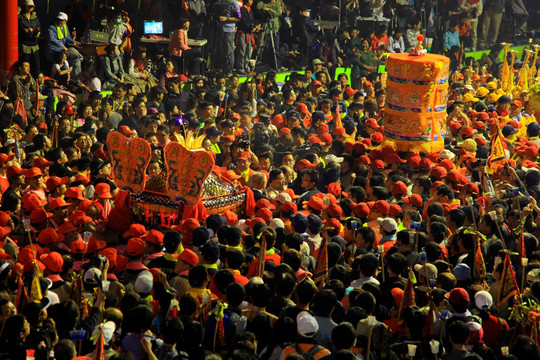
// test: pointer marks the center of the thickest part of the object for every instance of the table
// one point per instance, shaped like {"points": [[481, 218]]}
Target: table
{"points": [[165, 41], [326, 24], [93, 49]]}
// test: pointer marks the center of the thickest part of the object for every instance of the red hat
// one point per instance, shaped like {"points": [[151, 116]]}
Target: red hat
{"points": [[414, 199], [4, 218], [454, 176], [454, 127], [382, 206], [316, 83], [66, 228], [515, 124], [377, 164], [377, 137], [265, 214], [189, 257], [31, 201], [284, 131], [414, 161], [480, 141], [334, 210], [41, 162], [188, 226], [457, 296], [86, 204], [315, 202], [326, 138], [289, 207], [111, 255], [231, 217], [30, 266], [517, 103], [135, 230], [334, 188], [339, 131], [230, 175], [479, 125], [68, 110], [78, 247], [4, 231], [53, 261], [83, 179], [74, 193], [4, 158], [529, 164], [372, 123], [359, 147], [472, 188], [399, 188], [33, 172], [125, 130], [468, 131], [14, 170], [447, 164], [154, 237], [39, 215], [332, 224], [79, 218], [395, 210], [135, 247], [264, 203], [245, 155], [103, 191], [94, 244], [438, 172], [49, 235], [361, 210], [305, 164], [302, 108], [54, 181]]}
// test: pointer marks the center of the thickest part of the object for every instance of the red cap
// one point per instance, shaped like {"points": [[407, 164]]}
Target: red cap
{"points": [[382, 206], [372, 123], [326, 138], [53, 261], [377, 164], [4, 231], [78, 247], [332, 224], [362, 210], [284, 131], [334, 210], [399, 188], [49, 235], [231, 217], [454, 176], [349, 91], [33, 172], [316, 83], [315, 202], [339, 131], [334, 188], [447, 164], [289, 207], [395, 210], [14, 170], [135, 230], [245, 155], [86, 204], [305, 164], [30, 266], [472, 188], [468, 131], [4, 218], [4, 158], [454, 127], [111, 255], [515, 124], [322, 129], [189, 257], [41, 162], [264, 203], [103, 191], [425, 164], [265, 214], [74, 193], [125, 130], [39, 215], [377, 137], [188, 226], [414, 199], [79, 218], [480, 141], [66, 228], [31, 201], [517, 103], [457, 295], [438, 172], [68, 110], [54, 181], [83, 179], [230, 175], [135, 247], [154, 237]]}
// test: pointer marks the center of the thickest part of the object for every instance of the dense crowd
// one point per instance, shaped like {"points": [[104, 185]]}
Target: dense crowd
{"points": [[345, 247]]}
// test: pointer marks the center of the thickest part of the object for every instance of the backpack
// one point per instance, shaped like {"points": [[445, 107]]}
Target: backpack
{"points": [[310, 354]]}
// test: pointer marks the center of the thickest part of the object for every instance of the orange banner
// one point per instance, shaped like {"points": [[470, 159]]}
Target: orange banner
{"points": [[186, 172], [129, 160]]}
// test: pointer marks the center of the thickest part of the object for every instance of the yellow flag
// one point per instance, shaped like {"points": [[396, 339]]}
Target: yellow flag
{"points": [[35, 289], [497, 156]]}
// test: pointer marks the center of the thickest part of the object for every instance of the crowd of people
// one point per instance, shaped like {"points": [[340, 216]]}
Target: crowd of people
{"points": [[345, 247]]}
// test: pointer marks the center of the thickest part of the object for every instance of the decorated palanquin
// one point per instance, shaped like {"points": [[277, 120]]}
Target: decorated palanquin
{"points": [[416, 98], [187, 183]]}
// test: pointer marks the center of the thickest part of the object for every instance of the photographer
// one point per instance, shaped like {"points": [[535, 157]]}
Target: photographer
{"points": [[226, 31], [244, 38], [270, 11], [473, 10]]}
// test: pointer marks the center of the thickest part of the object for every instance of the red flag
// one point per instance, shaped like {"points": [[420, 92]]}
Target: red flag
{"points": [[262, 255], [408, 295], [321, 266], [509, 286], [479, 263], [99, 353]]}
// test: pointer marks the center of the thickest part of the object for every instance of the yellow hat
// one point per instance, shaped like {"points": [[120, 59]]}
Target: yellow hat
{"points": [[492, 85], [482, 92], [468, 97], [494, 97]]}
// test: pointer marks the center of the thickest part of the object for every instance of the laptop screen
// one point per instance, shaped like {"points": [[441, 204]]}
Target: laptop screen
{"points": [[153, 27]]}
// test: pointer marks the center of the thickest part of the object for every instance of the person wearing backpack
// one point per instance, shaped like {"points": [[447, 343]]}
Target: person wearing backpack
{"points": [[306, 329]]}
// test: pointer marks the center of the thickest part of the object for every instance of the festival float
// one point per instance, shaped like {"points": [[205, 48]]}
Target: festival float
{"points": [[417, 95], [188, 186]]}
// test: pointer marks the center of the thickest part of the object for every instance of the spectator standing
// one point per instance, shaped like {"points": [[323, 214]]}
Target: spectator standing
{"points": [[271, 10], [29, 29], [226, 32], [244, 37], [473, 8], [491, 20]]}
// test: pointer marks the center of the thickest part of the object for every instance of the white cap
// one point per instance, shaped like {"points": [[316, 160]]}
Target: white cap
{"points": [[144, 282], [62, 16], [332, 158], [108, 330], [283, 198], [306, 324], [276, 223], [29, 3], [91, 276], [446, 154], [388, 224], [483, 299], [430, 269]]}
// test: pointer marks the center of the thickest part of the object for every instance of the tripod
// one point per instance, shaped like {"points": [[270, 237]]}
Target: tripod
{"points": [[262, 47]]}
